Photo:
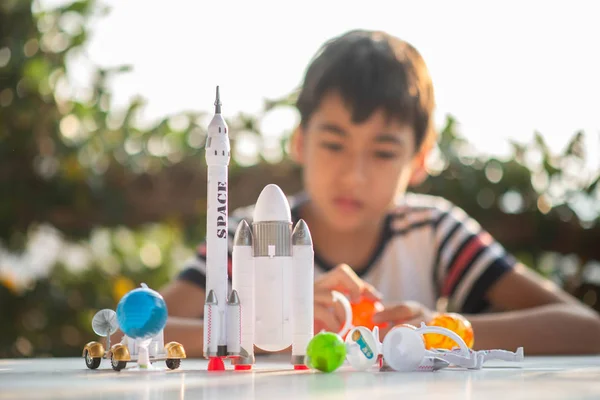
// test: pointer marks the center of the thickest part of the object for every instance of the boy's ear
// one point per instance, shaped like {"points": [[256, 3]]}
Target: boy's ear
{"points": [[297, 145], [419, 172]]}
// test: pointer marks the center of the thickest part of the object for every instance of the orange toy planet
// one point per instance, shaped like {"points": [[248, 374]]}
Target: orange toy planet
{"points": [[456, 323], [363, 311]]}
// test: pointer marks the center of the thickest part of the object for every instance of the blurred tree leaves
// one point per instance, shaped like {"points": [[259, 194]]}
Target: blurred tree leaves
{"points": [[94, 202]]}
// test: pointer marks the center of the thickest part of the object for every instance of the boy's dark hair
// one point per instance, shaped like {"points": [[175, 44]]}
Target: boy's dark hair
{"points": [[372, 70]]}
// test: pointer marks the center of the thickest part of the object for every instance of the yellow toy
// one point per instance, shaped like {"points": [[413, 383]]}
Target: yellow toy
{"points": [[457, 324]]}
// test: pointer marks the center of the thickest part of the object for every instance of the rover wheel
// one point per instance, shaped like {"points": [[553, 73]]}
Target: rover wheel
{"points": [[91, 362], [117, 365], [173, 363]]}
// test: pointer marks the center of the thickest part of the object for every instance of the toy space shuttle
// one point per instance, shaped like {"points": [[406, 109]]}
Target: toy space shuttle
{"points": [[273, 272], [271, 302]]}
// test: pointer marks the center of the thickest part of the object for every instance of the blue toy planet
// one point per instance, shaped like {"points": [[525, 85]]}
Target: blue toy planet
{"points": [[142, 313]]}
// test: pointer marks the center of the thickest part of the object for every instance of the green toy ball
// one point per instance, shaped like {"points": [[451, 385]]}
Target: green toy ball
{"points": [[326, 352]]}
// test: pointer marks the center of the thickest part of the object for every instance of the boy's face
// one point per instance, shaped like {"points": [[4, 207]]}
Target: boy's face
{"points": [[352, 173]]}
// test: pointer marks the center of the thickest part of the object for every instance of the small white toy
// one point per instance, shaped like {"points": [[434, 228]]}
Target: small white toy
{"points": [[364, 350], [478, 358], [404, 348]]}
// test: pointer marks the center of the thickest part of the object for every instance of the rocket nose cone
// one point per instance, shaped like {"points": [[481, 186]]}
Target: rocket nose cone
{"points": [[217, 122], [272, 205], [243, 234], [234, 299], [301, 234], [211, 298]]}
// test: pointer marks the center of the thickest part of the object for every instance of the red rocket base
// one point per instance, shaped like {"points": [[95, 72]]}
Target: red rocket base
{"points": [[242, 367], [216, 364], [300, 367]]}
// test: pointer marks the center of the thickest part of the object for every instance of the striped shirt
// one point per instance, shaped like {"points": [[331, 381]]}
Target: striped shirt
{"points": [[430, 249]]}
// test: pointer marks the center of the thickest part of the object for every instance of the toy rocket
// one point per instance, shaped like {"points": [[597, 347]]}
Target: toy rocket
{"points": [[273, 272], [271, 302], [221, 311]]}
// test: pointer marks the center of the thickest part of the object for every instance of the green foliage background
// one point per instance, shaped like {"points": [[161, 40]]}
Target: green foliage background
{"points": [[93, 204]]}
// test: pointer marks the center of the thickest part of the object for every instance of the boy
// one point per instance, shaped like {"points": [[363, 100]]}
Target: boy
{"points": [[366, 126]]}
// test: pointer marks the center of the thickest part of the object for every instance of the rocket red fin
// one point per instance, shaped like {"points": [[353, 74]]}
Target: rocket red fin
{"points": [[216, 364]]}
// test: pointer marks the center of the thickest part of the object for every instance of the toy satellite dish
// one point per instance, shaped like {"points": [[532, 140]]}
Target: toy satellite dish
{"points": [[105, 322]]}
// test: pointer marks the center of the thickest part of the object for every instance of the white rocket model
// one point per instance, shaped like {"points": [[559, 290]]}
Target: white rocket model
{"points": [[273, 272], [221, 311]]}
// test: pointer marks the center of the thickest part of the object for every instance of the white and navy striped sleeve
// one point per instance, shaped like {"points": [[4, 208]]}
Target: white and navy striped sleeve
{"points": [[468, 261]]}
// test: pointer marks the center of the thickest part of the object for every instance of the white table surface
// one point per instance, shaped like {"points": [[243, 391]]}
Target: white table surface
{"points": [[68, 378]]}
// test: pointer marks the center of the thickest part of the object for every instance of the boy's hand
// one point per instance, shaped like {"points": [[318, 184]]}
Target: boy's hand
{"points": [[409, 312], [329, 314], [343, 279], [326, 318]]}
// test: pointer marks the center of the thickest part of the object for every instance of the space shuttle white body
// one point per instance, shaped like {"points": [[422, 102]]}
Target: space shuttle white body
{"points": [[273, 274], [271, 302]]}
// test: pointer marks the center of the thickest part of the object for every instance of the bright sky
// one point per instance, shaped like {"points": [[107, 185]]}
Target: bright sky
{"points": [[504, 69]]}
